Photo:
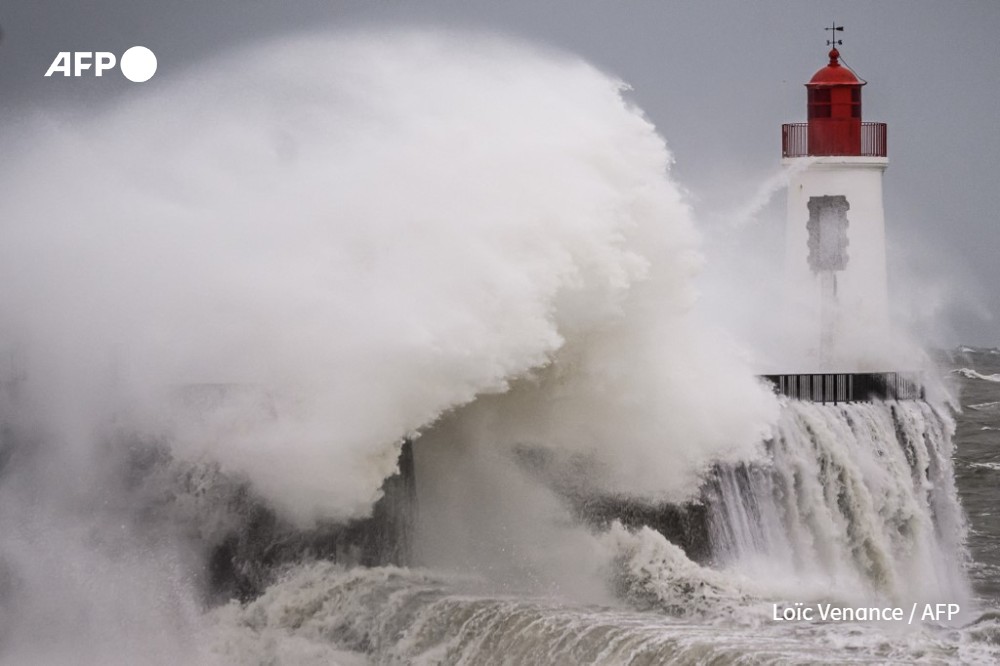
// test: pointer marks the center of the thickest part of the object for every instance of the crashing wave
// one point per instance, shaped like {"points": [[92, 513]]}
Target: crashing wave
{"points": [[859, 498], [969, 373], [652, 573], [320, 613]]}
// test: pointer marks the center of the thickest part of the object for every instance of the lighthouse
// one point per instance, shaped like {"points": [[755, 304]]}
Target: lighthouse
{"points": [[835, 237]]}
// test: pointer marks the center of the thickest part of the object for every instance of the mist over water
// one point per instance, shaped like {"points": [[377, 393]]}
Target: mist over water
{"points": [[371, 243], [278, 265], [357, 234]]}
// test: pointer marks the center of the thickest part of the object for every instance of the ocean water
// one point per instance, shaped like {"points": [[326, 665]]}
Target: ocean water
{"points": [[977, 463], [860, 505], [854, 505]]}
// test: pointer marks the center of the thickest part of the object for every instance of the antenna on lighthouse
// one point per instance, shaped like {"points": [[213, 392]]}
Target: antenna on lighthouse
{"points": [[833, 33]]}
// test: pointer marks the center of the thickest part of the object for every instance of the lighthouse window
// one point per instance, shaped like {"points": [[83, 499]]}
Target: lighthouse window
{"points": [[827, 228], [855, 102], [819, 103]]}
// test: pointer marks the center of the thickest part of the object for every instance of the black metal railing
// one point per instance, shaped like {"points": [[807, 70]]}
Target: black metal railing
{"points": [[795, 140], [848, 387], [874, 139]]}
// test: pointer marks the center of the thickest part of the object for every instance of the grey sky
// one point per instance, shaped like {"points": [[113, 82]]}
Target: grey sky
{"points": [[717, 78]]}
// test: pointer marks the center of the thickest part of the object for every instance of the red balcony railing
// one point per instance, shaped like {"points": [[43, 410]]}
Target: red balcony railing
{"points": [[795, 140]]}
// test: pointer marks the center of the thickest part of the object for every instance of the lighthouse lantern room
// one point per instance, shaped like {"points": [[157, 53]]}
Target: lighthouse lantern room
{"points": [[835, 239], [834, 110]]}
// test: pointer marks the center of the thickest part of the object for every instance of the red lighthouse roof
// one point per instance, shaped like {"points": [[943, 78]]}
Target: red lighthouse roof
{"points": [[834, 74]]}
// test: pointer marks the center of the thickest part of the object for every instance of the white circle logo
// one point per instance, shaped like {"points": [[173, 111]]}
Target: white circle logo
{"points": [[138, 64]]}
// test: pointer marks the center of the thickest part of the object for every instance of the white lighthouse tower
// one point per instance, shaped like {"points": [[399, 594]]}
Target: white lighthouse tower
{"points": [[835, 240]]}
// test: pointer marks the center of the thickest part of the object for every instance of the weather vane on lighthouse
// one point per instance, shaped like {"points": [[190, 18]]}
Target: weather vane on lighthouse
{"points": [[834, 42]]}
